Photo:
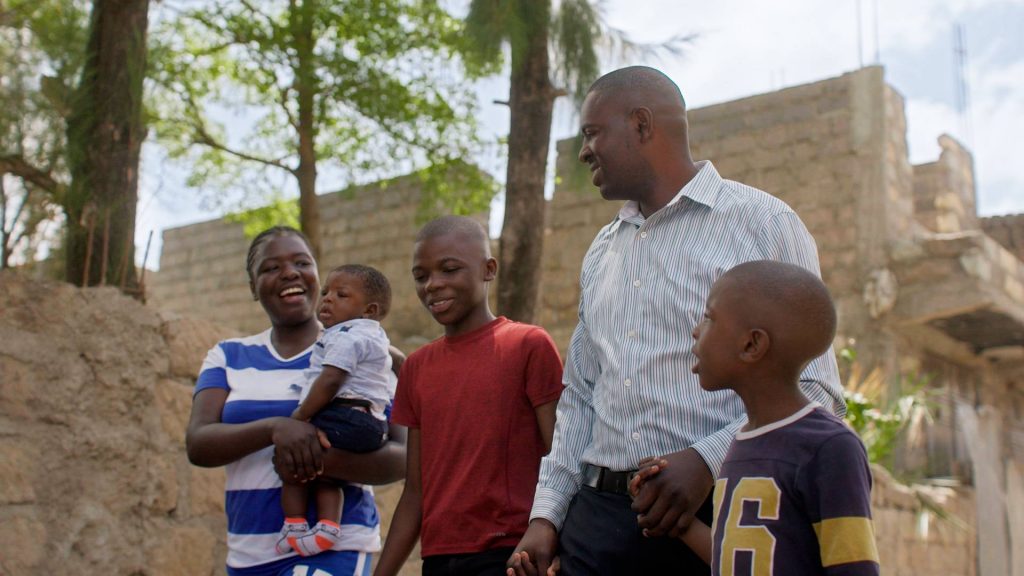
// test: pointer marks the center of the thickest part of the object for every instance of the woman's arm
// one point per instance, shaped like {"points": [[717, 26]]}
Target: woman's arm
{"points": [[405, 524], [210, 442]]}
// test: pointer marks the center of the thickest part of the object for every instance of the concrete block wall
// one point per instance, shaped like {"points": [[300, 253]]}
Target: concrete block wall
{"points": [[923, 529], [202, 272], [944, 197], [1007, 230], [202, 275], [834, 150]]}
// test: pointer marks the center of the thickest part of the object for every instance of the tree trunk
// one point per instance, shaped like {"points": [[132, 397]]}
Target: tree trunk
{"points": [[531, 102], [105, 134], [305, 86], [5, 236]]}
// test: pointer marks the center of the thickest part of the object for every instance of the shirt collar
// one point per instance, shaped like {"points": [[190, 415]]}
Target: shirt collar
{"points": [[702, 188]]}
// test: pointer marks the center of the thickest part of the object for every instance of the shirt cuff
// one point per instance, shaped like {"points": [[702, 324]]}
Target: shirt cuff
{"points": [[713, 448], [550, 505]]}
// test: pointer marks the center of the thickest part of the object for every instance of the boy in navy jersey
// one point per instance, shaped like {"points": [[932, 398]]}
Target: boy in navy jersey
{"points": [[794, 494]]}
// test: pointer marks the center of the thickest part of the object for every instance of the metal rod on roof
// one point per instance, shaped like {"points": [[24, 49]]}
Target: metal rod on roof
{"points": [[878, 45], [860, 37]]}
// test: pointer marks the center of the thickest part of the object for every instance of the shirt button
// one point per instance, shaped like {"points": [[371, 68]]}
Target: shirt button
{"points": [[636, 435], [628, 382], [643, 234], [636, 283]]}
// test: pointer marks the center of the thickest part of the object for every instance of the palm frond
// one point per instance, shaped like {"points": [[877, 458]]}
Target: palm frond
{"points": [[489, 24], [576, 30]]}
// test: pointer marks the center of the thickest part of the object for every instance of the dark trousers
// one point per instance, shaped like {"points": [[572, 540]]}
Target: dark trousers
{"points": [[349, 426], [600, 537], [486, 563]]}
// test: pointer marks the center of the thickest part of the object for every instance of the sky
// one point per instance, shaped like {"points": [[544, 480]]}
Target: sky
{"points": [[746, 47]]}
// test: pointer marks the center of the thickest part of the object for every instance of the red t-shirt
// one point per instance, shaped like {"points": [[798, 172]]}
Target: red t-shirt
{"points": [[473, 398]]}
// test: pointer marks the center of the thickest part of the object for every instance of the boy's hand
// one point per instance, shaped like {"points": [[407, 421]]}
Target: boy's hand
{"points": [[667, 502], [536, 551], [647, 468], [520, 565]]}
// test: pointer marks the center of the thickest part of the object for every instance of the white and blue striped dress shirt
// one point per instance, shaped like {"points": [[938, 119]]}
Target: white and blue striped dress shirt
{"points": [[629, 390]]}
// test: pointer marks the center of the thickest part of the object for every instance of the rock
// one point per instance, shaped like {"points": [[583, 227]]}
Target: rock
{"points": [[92, 427], [188, 340]]}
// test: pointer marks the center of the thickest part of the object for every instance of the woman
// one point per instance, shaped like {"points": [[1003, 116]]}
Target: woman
{"points": [[243, 398]]}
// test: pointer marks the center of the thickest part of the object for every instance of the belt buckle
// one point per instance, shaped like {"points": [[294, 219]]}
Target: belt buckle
{"points": [[616, 482]]}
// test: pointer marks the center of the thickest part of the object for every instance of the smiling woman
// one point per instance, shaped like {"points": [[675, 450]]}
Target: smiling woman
{"points": [[246, 391]]}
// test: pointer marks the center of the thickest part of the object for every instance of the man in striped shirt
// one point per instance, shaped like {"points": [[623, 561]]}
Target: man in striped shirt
{"points": [[630, 392]]}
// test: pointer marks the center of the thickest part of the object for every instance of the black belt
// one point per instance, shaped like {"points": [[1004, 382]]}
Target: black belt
{"points": [[606, 480], [362, 403]]}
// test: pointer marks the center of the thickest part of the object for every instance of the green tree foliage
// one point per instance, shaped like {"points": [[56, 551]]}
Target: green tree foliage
{"points": [[355, 89], [42, 43], [279, 212]]}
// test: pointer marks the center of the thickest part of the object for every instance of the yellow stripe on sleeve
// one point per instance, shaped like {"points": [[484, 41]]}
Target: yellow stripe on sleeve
{"points": [[846, 539]]}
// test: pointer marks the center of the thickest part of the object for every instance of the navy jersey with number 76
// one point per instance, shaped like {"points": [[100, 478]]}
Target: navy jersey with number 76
{"points": [[794, 498]]}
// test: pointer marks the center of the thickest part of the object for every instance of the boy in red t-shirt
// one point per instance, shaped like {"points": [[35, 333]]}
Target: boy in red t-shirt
{"points": [[480, 406]]}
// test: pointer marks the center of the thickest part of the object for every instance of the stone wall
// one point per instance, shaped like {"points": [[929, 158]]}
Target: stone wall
{"points": [[94, 398]]}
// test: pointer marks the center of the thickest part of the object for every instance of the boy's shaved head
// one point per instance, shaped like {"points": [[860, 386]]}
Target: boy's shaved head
{"points": [[469, 229], [788, 302]]}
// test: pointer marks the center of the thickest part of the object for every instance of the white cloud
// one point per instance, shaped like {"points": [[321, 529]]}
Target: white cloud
{"points": [[997, 117]]}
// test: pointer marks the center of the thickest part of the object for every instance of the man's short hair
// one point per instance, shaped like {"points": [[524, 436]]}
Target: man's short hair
{"points": [[637, 78]]}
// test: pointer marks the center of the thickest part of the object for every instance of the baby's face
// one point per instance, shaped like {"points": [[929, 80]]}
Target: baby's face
{"points": [[342, 298]]}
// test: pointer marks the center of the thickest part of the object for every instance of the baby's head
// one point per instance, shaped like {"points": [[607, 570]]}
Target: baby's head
{"points": [[354, 291], [765, 315]]}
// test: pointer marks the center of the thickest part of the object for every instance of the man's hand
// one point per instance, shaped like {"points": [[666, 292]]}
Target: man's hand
{"points": [[668, 501], [535, 554]]}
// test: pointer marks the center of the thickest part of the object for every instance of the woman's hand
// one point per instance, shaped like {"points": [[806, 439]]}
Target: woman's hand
{"points": [[298, 451]]}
